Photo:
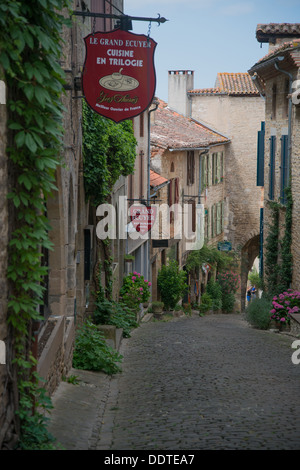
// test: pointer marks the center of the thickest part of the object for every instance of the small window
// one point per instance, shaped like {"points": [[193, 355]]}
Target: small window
{"points": [[172, 167]]}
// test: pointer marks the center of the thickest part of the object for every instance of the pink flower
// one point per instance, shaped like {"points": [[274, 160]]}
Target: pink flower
{"points": [[141, 288], [135, 273], [282, 319], [149, 284], [133, 278]]}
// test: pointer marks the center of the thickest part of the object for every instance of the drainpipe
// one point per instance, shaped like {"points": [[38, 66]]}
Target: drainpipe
{"points": [[278, 59]]}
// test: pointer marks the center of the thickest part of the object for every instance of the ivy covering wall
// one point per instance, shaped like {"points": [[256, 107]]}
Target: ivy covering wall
{"points": [[109, 151], [30, 49], [278, 256]]}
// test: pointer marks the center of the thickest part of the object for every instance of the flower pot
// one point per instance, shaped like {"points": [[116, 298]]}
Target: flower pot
{"points": [[145, 304]]}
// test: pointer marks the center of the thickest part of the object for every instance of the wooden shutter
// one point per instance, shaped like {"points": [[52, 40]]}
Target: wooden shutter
{"points": [[219, 215], [213, 225], [272, 167], [260, 156]]}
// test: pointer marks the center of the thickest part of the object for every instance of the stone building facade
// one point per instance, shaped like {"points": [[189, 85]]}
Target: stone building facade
{"points": [[191, 158], [276, 77], [69, 283], [235, 108]]}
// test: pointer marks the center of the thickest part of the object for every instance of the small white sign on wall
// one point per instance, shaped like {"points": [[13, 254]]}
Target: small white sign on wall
{"points": [[2, 92]]}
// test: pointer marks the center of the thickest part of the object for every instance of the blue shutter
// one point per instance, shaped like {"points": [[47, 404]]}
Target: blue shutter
{"points": [[260, 155], [272, 166], [283, 168]]}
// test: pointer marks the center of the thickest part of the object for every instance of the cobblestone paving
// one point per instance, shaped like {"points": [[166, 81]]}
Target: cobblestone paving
{"points": [[204, 383]]}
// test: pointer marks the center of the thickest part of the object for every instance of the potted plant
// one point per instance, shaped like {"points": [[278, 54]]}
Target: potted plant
{"points": [[138, 286], [157, 307], [128, 258]]}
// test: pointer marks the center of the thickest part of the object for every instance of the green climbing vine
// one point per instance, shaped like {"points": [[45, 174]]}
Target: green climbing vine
{"points": [[278, 257], [285, 271], [109, 151], [272, 250], [30, 45]]}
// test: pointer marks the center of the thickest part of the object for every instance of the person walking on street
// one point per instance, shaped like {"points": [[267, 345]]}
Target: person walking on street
{"points": [[253, 292], [249, 295]]}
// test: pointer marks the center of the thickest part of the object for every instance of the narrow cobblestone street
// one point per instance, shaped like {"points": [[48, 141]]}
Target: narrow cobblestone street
{"points": [[208, 383]]}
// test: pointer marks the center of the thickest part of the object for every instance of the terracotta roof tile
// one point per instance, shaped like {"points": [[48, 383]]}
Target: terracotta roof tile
{"points": [[266, 31], [156, 179], [230, 84], [292, 47], [173, 130]]}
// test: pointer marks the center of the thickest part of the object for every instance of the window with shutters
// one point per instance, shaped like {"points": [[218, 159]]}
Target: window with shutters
{"points": [[208, 167], [206, 225], [213, 221], [272, 167], [284, 177], [217, 167], [190, 167], [222, 215], [203, 172], [219, 218], [213, 168]]}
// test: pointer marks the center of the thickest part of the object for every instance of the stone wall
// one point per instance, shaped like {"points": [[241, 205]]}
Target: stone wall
{"points": [[56, 357], [278, 126], [295, 168], [239, 118]]}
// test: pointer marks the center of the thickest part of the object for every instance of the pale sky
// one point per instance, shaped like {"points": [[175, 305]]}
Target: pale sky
{"points": [[207, 36]]}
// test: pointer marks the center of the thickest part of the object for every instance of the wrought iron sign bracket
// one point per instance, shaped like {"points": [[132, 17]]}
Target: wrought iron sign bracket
{"points": [[124, 21]]}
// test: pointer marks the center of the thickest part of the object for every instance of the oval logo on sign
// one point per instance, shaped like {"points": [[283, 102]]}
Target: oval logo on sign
{"points": [[118, 77]]}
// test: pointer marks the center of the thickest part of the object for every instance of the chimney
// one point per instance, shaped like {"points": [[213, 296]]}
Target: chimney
{"points": [[179, 83]]}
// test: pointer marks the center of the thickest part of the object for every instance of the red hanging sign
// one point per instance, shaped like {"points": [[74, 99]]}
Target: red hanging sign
{"points": [[142, 217], [119, 76]]}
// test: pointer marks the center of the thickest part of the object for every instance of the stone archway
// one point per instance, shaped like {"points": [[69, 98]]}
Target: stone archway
{"points": [[249, 253]]}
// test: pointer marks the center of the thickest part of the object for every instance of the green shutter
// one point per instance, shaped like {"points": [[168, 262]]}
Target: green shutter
{"points": [[272, 167], [219, 218], [260, 156], [209, 163]]}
